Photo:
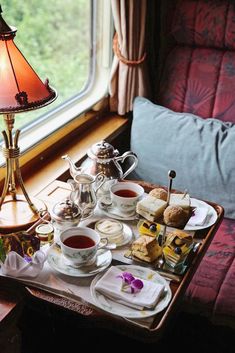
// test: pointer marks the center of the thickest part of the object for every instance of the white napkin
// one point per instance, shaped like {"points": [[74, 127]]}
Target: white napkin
{"points": [[16, 266], [199, 216], [111, 286]]}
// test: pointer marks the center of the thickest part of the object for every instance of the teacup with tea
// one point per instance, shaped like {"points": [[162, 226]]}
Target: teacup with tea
{"points": [[79, 245], [125, 195]]}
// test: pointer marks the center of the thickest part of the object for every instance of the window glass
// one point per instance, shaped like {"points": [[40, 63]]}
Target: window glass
{"points": [[55, 38]]}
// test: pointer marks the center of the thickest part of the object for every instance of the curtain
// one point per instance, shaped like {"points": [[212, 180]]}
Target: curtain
{"points": [[129, 76]]}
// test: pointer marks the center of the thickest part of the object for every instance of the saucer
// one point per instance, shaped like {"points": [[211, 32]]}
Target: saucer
{"points": [[58, 262], [127, 231], [113, 212]]}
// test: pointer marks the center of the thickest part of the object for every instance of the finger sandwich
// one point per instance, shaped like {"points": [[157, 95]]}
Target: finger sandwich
{"points": [[151, 208], [180, 200]]}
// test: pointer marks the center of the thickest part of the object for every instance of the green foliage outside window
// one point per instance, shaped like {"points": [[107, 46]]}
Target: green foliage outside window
{"points": [[54, 37]]}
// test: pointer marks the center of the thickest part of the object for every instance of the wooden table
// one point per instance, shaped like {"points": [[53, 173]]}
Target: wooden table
{"points": [[91, 315]]}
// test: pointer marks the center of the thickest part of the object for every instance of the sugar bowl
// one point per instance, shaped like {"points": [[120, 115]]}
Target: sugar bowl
{"points": [[65, 214]]}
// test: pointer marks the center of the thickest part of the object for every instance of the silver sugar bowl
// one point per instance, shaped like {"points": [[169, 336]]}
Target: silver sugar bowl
{"points": [[65, 214]]}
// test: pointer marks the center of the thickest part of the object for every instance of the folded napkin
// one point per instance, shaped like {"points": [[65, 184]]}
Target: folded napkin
{"points": [[17, 266], [111, 286], [199, 216]]}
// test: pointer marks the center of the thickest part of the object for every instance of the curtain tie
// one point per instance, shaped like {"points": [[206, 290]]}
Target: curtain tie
{"points": [[122, 58]]}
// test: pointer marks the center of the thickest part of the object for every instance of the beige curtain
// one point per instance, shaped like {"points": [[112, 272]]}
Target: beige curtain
{"points": [[128, 74]]}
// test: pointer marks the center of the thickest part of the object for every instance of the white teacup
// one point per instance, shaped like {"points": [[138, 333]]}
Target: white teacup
{"points": [[79, 245], [125, 195]]}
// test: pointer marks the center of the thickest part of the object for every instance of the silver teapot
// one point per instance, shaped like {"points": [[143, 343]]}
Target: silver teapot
{"points": [[103, 158]]}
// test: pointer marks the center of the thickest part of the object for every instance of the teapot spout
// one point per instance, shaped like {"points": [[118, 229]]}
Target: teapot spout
{"points": [[72, 167]]}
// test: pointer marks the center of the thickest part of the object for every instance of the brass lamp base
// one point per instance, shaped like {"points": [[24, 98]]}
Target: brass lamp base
{"points": [[16, 212], [16, 215]]}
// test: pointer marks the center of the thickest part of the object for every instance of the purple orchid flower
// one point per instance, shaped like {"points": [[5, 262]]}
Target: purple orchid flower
{"points": [[130, 284], [136, 285], [127, 277]]}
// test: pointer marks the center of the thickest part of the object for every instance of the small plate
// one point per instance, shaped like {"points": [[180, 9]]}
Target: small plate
{"points": [[211, 216], [127, 231], [57, 261], [121, 310]]}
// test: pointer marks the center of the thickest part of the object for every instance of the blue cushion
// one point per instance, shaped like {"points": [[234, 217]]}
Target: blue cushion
{"points": [[202, 152]]}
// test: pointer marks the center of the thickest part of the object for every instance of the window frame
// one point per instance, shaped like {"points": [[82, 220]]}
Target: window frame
{"points": [[73, 114]]}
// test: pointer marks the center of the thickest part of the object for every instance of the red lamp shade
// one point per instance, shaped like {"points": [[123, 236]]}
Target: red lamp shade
{"points": [[20, 87]]}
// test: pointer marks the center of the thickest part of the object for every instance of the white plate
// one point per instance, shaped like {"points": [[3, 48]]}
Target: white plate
{"points": [[127, 231], [211, 216], [57, 261], [121, 310], [113, 212]]}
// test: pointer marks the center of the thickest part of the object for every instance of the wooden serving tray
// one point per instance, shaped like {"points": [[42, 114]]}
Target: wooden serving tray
{"points": [[91, 315]]}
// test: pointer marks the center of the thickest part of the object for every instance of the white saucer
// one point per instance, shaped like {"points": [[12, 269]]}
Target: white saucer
{"points": [[114, 212], [124, 311], [57, 261], [127, 231], [210, 219]]}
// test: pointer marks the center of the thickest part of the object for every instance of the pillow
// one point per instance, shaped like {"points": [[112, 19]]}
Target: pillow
{"points": [[201, 151]]}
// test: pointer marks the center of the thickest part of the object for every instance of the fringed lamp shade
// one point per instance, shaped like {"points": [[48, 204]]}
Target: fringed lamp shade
{"points": [[20, 90], [20, 87]]}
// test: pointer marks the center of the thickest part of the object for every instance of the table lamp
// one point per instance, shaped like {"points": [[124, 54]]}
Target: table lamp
{"points": [[20, 90]]}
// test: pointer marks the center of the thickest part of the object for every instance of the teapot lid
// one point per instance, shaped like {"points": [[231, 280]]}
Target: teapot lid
{"points": [[102, 150], [65, 210]]}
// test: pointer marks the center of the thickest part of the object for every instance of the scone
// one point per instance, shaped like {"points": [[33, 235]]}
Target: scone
{"points": [[151, 208], [146, 248], [175, 216], [159, 193]]}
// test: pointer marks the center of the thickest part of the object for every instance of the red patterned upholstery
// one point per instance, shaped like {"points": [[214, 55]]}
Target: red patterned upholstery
{"points": [[212, 289], [199, 77], [199, 74]]}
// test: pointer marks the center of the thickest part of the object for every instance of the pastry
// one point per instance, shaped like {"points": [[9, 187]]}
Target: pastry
{"points": [[159, 193], [148, 228], [151, 208], [178, 238], [177, 246], [175, 216], [148, 258], [146, 248]]}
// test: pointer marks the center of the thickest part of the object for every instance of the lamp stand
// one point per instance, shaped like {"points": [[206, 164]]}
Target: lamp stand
{"points": [[16, 213]]}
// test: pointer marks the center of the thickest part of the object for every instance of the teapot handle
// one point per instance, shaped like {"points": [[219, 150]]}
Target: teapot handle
{"points": [[99, 180], [122, 158]]}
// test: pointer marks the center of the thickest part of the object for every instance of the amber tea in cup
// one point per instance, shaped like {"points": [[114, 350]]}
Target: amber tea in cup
{"points": [[79, 242], [79, 245], [125, 195]]}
